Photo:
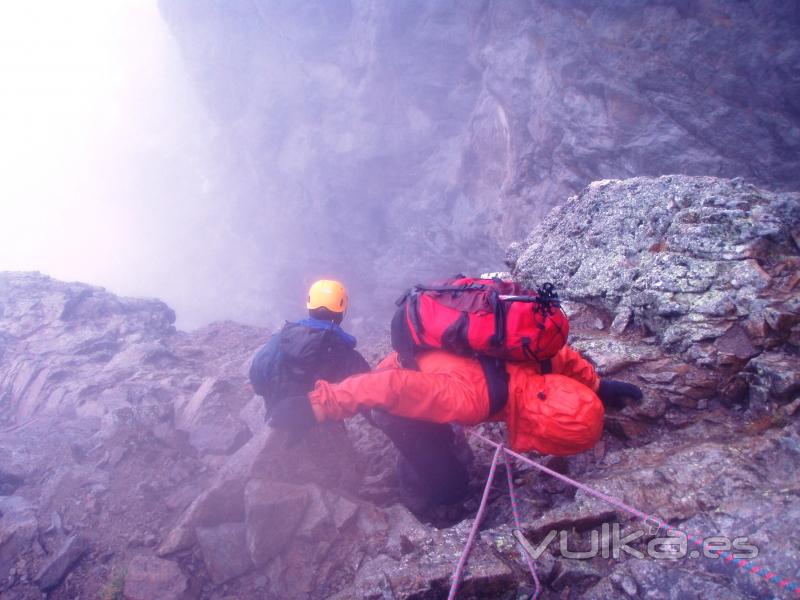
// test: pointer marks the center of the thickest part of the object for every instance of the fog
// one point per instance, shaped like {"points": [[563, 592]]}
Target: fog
{"points": [[103, 149], [118, 172], [222, 156]]}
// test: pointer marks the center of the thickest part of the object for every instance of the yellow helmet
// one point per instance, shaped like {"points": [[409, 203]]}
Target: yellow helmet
{"points": [[329, 294]]}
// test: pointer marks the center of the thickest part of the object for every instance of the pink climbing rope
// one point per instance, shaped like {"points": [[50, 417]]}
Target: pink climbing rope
{"points": [[746, 565], [518, 525], [474, 531], [598, 494], [462, 562]]}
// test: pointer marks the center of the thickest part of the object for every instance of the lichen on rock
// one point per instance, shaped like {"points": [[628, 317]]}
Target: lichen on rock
{"points": [[705, 267]]}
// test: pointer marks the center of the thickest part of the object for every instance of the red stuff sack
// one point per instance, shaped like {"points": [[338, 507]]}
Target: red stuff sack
{"points": [[483, 317], [554, 414]]}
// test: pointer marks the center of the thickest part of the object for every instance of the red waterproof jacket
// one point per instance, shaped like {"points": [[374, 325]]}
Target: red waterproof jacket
{"points": [[558, 413]]}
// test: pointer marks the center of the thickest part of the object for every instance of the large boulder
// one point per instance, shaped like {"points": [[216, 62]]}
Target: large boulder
{"points": [[265, 497], [59, 565], [148, 577], [325, 456], [689, 283], [222, 502], [210, 416], [224, 550], [273, 512]]}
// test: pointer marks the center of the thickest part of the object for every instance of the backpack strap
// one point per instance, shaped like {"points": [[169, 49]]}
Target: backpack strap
{"points": [[402, 341], [499, 336], [497, 378]]}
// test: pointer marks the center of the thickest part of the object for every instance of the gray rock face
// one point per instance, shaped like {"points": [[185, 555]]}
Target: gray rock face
{"points": [[207, 416], [18, 527], [74, 350], [430, 569], [700, 487], [452, 128], [693, 280], [62, 562], [221, 502], [272, 514], [148, 577], [270, 493], [97, 424], [58, 335], [224, 550], [688, 287]]}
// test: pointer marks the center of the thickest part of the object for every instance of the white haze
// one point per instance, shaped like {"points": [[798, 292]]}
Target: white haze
{"points": [[104, 146], [220, 155]]}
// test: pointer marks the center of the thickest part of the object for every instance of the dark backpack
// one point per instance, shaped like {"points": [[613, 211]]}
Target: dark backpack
{"points": [[292, 360], [480, 317]]}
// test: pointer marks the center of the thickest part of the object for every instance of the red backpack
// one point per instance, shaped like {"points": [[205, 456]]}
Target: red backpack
{"points": [[483, 317]]}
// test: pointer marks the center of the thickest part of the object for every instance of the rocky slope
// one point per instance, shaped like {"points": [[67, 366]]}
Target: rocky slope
{"points": [[362, 129], [689, 287], [694, 281], [134, 461]]}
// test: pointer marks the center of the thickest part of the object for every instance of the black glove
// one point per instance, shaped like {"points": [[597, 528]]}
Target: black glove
{"points": [[613, 392], [293, 414]]}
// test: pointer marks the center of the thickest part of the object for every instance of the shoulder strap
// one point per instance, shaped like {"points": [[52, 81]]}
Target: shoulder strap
{"points": [[402, 341], [301, 343], [497, 378]]}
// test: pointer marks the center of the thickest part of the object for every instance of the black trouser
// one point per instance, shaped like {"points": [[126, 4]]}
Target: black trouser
{"points": [[429, 450]]}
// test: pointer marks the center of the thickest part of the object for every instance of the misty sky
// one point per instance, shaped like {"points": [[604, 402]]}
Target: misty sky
{"points": [[103, 147], [109, 159], [223, 155]]}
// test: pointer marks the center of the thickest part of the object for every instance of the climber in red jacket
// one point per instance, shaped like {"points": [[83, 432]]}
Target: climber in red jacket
{"points": [[558, 413]]}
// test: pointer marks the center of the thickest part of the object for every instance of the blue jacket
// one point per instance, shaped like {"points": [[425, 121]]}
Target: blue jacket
{"points": [[348, 339]]}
